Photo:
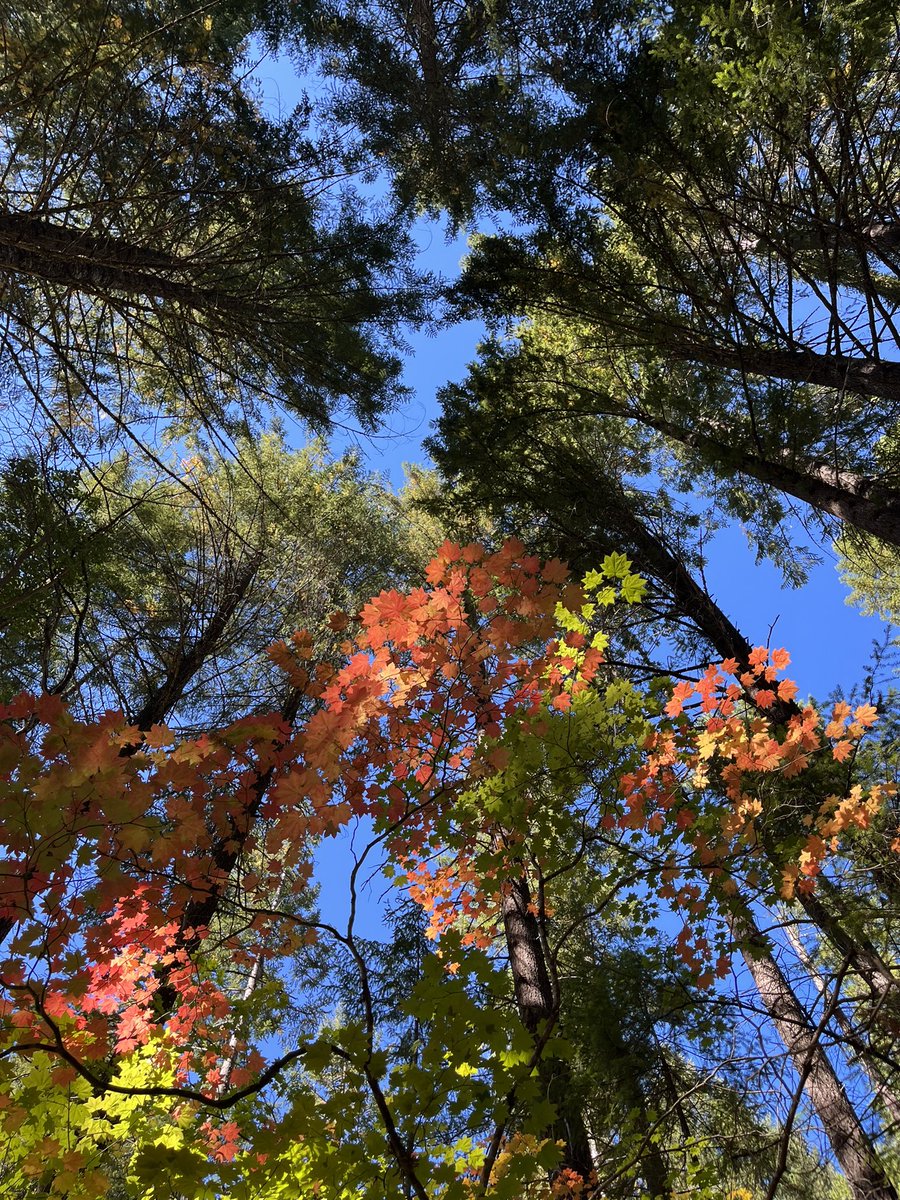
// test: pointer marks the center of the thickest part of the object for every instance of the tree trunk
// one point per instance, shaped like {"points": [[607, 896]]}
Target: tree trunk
{"points": [[103, 266], [852, 498], [644, 327], [531, 980], [170, 690], [825, 1092], [856, 1043], [864, 376], [856, 947], [538, 1004]]}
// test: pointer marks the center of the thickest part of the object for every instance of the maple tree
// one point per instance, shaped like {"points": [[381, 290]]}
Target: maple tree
{"points": [[146, 875]]}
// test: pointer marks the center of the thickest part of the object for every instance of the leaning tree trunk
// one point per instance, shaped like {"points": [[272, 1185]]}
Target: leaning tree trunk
{"points": [[104, 266], [854, 499], [850, 1142], [863, 376], [558, 293], [853, 1038]]}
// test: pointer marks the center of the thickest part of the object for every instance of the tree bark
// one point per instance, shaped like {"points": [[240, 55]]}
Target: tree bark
{"points": [[104, 266], [641, 326], [857, 948], [538, 1005], [851, 1144], [854, 499], [856, 1043], [864, 376], [531, 979], [167, 694]]}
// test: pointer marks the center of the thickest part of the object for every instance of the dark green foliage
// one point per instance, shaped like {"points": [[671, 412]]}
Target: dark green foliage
{"points": [[167, 247]]}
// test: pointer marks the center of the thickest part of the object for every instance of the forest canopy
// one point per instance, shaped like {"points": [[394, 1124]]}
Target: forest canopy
{"points": [[450, 840]]}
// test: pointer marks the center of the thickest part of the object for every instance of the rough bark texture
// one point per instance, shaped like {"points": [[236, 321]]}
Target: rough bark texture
{"points": [[102, 279], [537, 1003], [103, 266], [534, 993], [865, 377]]}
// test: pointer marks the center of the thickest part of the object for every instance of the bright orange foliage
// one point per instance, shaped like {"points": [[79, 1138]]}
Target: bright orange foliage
{"points": [[142, 830]]}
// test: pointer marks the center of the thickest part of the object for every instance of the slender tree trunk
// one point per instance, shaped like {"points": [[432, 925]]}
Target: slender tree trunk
{"points": [[856, 947], [170, 690], [538, 1005], [227, 1067], [103, 266], [224, 856], [691, 598], [851, 1144], [672, 339]]}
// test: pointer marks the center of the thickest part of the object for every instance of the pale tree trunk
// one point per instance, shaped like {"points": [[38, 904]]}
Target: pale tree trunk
{"points": [[249, 988]]}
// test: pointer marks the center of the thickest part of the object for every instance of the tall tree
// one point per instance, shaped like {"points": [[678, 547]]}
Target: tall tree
{"points": [[166, 247], [157, 593], [720, 230]]}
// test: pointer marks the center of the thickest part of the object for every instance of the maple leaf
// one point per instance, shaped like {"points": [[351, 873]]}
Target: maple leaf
{"points": [[680, 693], [787, 689], [555, 571], [781, 660], [158, 736], [866, 715]]}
